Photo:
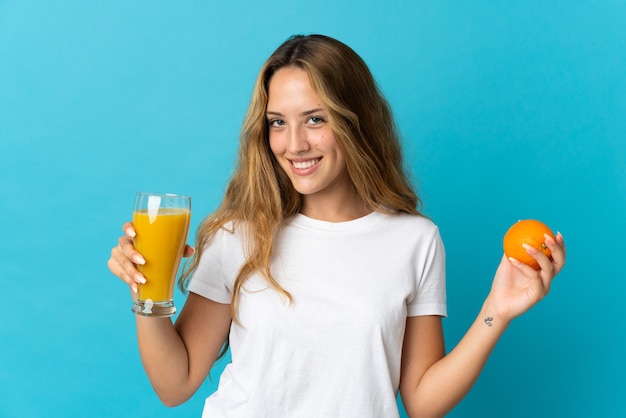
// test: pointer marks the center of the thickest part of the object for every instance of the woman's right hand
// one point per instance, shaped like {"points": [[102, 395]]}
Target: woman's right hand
{"points": [[124, 259]]}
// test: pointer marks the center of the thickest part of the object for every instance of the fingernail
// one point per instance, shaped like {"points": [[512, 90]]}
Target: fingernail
{"points": [[549, 239], [529, 248], [130, 232], [134, 287], [139, 260], [139, 278]]}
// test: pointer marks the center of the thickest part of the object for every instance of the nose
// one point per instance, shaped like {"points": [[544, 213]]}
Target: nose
{"points": [[298, 142]]}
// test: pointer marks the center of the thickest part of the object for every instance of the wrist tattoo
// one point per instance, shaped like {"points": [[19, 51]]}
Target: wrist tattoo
{"points": [[489, 321]]}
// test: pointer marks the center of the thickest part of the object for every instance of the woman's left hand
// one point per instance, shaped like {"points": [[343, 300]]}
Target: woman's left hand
{"points": [[517, 286]]}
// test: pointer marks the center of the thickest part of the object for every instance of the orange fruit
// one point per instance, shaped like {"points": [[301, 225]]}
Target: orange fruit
{"points": [[529, 232]]}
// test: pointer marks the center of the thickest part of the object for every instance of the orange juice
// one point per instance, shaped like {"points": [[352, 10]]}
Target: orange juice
{"points": [[160, 239]]}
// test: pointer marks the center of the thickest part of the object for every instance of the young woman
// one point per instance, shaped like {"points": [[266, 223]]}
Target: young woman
{"points": [[318, 267]]}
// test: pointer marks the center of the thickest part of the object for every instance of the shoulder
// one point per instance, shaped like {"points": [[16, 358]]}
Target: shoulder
{"points": [[411, 231], [228, 236], [410, 222]]}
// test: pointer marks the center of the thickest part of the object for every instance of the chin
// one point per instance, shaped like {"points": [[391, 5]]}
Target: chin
{"points": [[305, 190]]}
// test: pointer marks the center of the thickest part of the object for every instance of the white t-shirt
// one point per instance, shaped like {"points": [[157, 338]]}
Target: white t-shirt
{"points": [[335, 351]]}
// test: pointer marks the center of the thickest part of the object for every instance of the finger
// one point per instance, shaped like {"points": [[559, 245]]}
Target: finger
{"points": [[189, 251], [557, 250], [125, 268], [546, 270], [128, 249], [545, 264], [118, 270], [523, 267], [129, 229]]}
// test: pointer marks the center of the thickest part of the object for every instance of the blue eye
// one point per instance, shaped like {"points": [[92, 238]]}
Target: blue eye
{"points": [[276, 122], [316, 120]]}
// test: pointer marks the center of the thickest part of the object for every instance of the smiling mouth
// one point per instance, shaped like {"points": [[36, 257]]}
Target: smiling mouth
{"points": [[303, 165]]}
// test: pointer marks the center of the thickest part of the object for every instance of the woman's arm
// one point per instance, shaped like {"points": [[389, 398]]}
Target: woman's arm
{"points": [[432, 384], [177, 358]]}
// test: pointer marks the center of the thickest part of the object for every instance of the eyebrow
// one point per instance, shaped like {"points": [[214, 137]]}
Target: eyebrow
{"points": [[305, 113]]}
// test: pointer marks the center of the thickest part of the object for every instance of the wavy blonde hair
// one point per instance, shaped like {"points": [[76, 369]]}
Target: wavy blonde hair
{"points": [[260, 195]]}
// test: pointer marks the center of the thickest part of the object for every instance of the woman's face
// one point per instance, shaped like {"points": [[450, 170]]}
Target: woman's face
{"points": [[302, 140]]}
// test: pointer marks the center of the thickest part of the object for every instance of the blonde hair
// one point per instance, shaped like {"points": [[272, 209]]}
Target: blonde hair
{"points": [[260, 196]]}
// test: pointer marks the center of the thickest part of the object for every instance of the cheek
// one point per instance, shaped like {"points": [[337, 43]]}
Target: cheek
{"points": [[323, 140], [275, 145]]}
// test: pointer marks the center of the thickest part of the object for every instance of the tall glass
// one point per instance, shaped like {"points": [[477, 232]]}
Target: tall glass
{"points": [[161, 224]]}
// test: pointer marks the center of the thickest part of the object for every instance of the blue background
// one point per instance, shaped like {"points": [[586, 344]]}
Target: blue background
{"points": [[508, 110]]}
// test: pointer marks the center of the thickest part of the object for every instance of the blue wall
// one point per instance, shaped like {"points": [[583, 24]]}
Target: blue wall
{"points": [[509, 110]]}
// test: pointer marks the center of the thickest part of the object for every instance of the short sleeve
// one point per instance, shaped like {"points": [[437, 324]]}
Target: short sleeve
{"points": [[212, 279], [430, 296]]}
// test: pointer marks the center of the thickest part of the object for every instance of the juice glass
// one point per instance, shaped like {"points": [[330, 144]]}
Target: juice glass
{"points": [[161, 223]]}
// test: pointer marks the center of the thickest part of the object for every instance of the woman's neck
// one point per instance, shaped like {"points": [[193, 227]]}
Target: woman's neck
{"points": [[334, 210]]}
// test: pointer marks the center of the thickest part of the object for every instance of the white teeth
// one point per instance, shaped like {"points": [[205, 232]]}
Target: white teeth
{"points": [[301, 165]]}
